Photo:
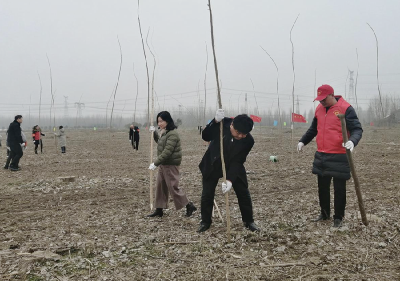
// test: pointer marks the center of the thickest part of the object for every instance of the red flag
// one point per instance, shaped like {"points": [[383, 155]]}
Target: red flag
{"points": [[255, 118], [298, 118]]}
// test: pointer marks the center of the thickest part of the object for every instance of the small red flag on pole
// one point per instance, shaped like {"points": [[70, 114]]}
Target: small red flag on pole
{"points": [[298, 118], [255, 119]]}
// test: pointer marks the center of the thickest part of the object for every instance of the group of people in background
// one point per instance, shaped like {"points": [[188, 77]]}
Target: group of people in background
{"points": [[330, 160], [16, 142]]}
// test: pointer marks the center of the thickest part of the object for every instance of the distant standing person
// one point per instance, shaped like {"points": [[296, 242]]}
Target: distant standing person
{"points": [[330, 158], [131, 130], [14, 141], [62, 138], [136, 137], [169, 158], [37, 138]]}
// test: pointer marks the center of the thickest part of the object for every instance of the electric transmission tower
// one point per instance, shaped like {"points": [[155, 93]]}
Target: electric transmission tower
{"points": [[65, 108], [79, 106]]}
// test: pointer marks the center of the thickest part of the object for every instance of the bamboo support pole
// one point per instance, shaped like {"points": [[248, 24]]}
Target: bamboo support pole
{"points": [[228, 220], [353, 171]]}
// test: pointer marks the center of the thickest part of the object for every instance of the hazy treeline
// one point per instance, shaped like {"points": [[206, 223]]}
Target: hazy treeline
{"points": [[191, 117]]}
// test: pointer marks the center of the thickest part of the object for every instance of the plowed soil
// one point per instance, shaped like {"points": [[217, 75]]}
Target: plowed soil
{"points": [[95, 228]]}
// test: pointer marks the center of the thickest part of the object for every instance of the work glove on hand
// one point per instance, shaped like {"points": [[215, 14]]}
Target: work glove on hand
{"points": [[23, 144], [226, 186], [152, 167], [152, 129], [219, 115], [300, 146], [349, 145]]}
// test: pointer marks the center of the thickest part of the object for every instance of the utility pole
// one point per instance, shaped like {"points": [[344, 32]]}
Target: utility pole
{"points": [[79, 106], [298, 106], [245, 102], [350, 97], [65, 109]]}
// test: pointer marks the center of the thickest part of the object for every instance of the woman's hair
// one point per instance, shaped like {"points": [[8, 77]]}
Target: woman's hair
{"points": [[164, 115], [34, 127], [60, 127]]}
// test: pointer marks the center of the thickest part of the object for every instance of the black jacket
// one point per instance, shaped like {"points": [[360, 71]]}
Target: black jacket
{"points": [[235, 152], [14, 133]]}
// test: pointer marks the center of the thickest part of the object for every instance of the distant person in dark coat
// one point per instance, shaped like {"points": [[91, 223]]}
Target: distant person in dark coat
{"points": [[237, 144], [14, 141], [134, 137], [330, 159]]}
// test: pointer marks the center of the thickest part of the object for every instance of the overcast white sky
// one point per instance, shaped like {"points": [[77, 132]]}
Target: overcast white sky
{"points": [[80, 39]]}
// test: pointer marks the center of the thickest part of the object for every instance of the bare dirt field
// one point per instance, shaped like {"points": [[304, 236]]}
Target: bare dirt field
{"points": [[95, 228]]}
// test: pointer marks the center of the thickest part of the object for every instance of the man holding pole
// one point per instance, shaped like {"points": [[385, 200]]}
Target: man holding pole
{"points": [[237, 144], [330, 158]]}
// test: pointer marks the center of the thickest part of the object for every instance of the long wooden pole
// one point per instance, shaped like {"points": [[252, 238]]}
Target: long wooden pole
{"points": [[151, 118], [228, 219], [353, 171]]}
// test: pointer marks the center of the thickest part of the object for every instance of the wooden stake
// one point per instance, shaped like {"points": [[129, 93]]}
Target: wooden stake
{"points": [[353, 171], [228, 220]]}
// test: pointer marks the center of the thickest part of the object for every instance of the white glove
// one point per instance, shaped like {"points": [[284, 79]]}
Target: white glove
{"points": [[152, 129], [219, 115], [349, 145], [23, 144], [152, 167], [129, 141], [226, 186], [300, 146]]}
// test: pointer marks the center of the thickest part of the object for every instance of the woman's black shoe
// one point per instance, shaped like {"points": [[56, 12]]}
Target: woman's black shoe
{"points": [[190, 208], [158, 213]]}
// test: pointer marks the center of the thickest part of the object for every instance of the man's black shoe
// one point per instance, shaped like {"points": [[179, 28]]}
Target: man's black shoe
{"points": [[190, 208], [203, 227], [337, 223], [14, 169], [5, 167], [321, 217], [252, 226], [158, 213]]}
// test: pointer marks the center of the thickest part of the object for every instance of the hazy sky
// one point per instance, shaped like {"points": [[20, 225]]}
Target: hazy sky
{"points": [[80, 40]]}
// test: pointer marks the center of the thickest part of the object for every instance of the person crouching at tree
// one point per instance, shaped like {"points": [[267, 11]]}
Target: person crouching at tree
{"points": [[62, 138], [169, 158], [237, 144], [37, 138]]}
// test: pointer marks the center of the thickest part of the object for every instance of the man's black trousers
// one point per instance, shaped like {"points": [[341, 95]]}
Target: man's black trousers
{"points": [[207, 199], [17, 153], [339, 186]]}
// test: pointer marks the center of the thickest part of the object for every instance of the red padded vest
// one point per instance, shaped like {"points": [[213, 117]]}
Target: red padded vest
{"points": [[329, 137]]}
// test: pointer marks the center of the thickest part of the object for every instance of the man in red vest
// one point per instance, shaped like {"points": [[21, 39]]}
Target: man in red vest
{"points": [[330, 158]]}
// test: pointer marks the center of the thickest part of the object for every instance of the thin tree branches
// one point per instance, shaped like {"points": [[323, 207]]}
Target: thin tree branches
{"points": [[40, 96], [137, 93], [377, 70], [355, 86], [205, 88], [116, 86], [277, 86], [147, 70]]}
